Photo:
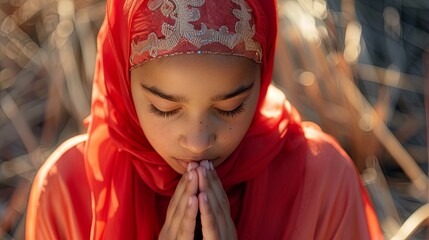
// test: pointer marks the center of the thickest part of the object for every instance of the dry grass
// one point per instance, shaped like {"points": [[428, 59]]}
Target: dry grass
{"points": [[47, 61], [318, 68]]}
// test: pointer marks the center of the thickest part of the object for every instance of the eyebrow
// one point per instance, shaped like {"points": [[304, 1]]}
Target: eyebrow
{"points": [[159, 93], [182, 99], [240, 90]]}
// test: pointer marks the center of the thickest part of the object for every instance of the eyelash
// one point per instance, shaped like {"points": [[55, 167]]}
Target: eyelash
{"points": [[160, 113], [232, 113]]}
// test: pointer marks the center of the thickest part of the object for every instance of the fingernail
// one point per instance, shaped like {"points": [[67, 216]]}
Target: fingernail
{"points": [[204, 172], [211, 166], [191, 175], [205, 197], [207, 165], [189, 167]]}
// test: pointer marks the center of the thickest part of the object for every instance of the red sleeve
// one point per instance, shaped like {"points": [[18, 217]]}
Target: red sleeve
{"points": [[60, 202], [335, 203], [346, 211]]}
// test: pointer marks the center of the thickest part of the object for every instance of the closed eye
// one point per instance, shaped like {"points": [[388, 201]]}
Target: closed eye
{"points": [[164, 114], [233, 112]]}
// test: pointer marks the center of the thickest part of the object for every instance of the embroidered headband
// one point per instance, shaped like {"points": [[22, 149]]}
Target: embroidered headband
{"points": [[172, 27]]}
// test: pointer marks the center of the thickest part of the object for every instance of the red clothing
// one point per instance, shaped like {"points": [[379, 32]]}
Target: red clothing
{"points": [[333, 204], [284, 181]]}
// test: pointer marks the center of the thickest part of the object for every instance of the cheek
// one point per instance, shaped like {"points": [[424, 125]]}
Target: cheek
{"points": [[234, 133], [154, 130], [160, 138], [157, 133]]}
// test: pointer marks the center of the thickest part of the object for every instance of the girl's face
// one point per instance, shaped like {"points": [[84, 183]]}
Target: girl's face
{"points": [[195, 107]]}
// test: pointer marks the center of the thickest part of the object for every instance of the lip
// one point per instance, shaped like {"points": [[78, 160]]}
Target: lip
{"points": [[185, 161]]}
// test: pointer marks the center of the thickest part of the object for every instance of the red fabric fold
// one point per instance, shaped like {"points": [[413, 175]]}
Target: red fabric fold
{"points": [[124, 170], [264, 177]]}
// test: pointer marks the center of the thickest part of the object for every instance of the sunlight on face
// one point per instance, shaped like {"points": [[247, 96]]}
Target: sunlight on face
{"points": [[195, 107]]}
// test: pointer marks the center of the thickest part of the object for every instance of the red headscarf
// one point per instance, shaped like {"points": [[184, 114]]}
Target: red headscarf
{"points": [[129, 179]]}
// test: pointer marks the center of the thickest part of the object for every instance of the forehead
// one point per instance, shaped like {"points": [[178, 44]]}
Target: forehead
{"points": [[199, 66]]}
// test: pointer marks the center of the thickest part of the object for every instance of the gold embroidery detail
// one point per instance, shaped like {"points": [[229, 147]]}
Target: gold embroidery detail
{"points": [[186, 11]]}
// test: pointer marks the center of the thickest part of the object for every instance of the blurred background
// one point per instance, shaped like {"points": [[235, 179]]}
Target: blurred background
{"points": [[358, 68]]}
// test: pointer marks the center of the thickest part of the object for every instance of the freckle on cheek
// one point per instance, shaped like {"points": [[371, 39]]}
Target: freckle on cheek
{"points": [[230, 129]]}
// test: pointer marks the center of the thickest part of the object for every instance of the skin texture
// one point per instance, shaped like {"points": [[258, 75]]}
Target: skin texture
{"points": [[195, 110], [196, 126]]}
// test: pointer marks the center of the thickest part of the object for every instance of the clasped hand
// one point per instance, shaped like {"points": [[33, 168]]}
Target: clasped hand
{"points": [[199, 189]]}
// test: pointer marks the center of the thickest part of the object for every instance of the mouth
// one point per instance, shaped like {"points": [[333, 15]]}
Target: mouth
{"points": [[185, 161]]}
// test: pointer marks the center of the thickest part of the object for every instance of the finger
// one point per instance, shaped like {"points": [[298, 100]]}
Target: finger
{"points": [[221, 210], [178, 212], [219, 213], [182, 183], [208, 220], [210, 183], [181, 186], [180, 189], [216, 186], [203, 183], [187, 227]]}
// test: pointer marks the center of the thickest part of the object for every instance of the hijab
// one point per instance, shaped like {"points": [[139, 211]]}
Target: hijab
{"points": [[127, 177]]}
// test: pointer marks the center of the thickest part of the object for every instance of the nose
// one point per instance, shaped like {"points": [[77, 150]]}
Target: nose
{"points": [[197, 138]]}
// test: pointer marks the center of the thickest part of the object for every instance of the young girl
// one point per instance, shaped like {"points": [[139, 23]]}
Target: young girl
{"points": [[187, 139]]}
